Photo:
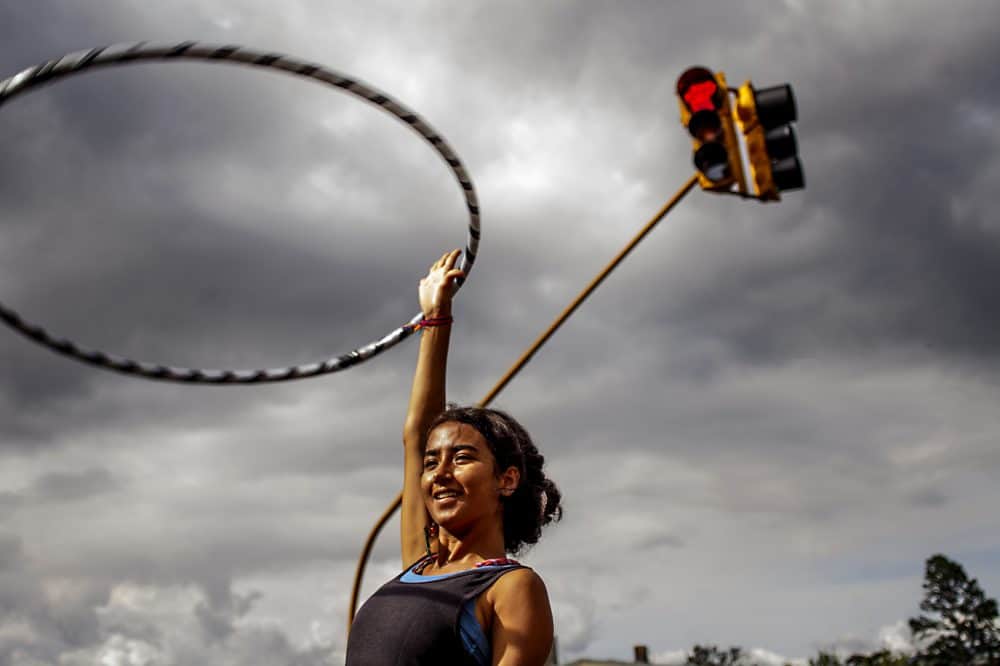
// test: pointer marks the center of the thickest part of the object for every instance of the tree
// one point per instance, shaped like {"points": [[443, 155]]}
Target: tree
{"points": [[961, 624], [880, 658], [709, 655]]}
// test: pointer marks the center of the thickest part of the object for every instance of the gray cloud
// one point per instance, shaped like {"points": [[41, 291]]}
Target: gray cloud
{"points": [[72, 486]]}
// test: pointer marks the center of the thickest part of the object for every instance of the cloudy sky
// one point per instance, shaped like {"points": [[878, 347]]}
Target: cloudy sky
{"points": [[762, 424]]}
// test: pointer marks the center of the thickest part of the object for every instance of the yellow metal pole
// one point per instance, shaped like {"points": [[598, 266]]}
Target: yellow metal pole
{"points": [[514, 369]]}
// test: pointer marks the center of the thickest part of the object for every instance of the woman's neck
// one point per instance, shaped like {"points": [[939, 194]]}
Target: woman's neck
{"points": [[469, 548]]}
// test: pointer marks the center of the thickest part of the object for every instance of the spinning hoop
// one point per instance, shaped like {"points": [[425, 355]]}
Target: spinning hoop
{"points": [[128, 53]]}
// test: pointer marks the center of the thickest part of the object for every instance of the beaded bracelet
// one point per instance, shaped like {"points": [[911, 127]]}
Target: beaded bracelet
{"points": [[432, 322]]}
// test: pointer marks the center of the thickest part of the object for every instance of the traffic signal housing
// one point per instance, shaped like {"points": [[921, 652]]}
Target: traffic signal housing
{"points": [[765, 118], [706, 113]]}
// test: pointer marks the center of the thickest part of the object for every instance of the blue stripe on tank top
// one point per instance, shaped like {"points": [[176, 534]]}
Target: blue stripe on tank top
{"points": [[469, 629]]}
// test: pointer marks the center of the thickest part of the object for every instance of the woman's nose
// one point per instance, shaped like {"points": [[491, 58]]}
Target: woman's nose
{"points": [[443, 470]]}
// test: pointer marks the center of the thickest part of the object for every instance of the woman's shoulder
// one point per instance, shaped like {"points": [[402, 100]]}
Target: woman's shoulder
{"points": [[521, 618], [521, 583]]}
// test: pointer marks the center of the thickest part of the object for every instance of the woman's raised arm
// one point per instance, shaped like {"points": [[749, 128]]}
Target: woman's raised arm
{"points": [[427, 399]]}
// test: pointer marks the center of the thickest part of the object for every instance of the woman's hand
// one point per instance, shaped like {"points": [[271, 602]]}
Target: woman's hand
{"points": [[438, 287]]}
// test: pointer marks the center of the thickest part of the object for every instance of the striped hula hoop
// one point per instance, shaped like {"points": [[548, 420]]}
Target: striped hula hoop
{"points": [[121, 54]]}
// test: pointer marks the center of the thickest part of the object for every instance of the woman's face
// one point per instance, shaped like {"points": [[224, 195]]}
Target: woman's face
{"points": [[459, 481]]}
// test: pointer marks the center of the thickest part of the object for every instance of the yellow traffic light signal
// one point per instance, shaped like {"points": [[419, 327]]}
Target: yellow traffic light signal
{"points": [[705, 111], [765, 118]]}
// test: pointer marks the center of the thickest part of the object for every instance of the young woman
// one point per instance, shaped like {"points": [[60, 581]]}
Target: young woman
{"points": [[473, 491]]}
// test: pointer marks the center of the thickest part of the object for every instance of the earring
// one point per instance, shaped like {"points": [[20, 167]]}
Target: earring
{"points": [[430, 532]]}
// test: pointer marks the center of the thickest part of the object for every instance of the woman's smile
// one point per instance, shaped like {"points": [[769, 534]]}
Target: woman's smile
{"points": [[446, 498]]}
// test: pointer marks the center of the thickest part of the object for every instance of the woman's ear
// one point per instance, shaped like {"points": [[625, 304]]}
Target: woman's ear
{"points": [[509, 481]]}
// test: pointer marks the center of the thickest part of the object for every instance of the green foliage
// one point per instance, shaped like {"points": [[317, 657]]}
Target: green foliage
{"points": [[960, 624], [881, 658], [710, 655]]}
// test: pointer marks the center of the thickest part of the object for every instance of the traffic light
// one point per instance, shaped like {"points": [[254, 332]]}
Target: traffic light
{"points": [[704, 100], [765, 118]]}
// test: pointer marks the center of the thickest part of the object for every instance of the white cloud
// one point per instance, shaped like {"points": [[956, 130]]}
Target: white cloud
{"points": [[896, 638]]}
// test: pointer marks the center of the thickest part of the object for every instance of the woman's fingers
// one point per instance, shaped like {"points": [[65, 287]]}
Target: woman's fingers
{"points": [[437, 287], [449, 259]]}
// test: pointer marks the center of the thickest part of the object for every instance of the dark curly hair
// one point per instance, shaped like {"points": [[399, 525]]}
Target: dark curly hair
{"points": [[535, 502]]}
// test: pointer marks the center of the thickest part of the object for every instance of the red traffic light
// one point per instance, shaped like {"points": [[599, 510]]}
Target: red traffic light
{"points": [[704, 102], [701, 96], [699, 90]]}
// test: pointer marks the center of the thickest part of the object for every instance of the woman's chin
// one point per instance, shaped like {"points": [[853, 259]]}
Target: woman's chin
{"points": [[445, 520], [452, 522]]}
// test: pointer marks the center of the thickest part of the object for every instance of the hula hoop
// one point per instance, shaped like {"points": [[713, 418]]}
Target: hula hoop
{"points": [[121, 54]]}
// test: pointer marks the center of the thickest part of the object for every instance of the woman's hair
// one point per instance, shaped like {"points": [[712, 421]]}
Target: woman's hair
{"points": [[535, 502]]}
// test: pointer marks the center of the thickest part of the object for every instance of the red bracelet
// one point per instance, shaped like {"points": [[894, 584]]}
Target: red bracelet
{"points": [[432, 322]]}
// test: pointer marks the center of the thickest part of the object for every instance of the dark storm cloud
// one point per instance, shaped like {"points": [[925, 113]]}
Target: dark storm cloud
{"points": [[140, 247], [217, 623], [72, 486], [50, 624], [10, 550], [155, 216], [928, 497], [652, 542]]}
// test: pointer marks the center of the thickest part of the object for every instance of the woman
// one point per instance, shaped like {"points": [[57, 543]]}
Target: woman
{"points": [[473, 491]]}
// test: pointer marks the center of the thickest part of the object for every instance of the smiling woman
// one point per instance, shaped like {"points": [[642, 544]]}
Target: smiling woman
{"points": [[473, 491]]}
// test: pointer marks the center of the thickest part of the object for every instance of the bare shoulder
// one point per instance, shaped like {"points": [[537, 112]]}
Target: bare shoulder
{"points": [[519, 584], [522, 619]]}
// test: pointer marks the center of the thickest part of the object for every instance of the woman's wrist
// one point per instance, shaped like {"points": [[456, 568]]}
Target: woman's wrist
{"points": [[440, 312], [432, 323]]}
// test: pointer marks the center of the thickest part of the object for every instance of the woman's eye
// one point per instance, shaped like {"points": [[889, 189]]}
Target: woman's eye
{"points": [[429, 463]]}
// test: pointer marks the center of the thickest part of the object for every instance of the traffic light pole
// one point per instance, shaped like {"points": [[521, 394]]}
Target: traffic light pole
{"points": [[514, 369]]}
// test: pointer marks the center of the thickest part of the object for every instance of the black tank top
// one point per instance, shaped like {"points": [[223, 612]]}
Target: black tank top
{"points": [[416, 623]]}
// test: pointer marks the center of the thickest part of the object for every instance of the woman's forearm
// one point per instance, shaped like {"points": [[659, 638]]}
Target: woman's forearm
{"points": [[427, 397]]}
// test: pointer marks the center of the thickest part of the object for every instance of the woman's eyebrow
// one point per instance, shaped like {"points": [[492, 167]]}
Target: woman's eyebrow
{"points": [[435, 450]]}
